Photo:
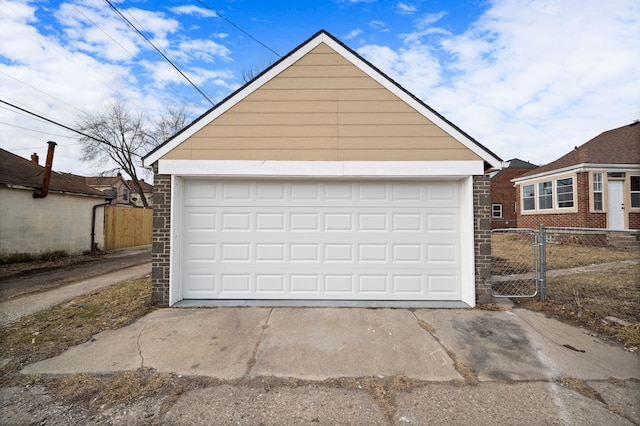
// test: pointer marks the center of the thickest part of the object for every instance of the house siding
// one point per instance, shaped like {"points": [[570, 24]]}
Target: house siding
{"points": [[322, 108], [482, 237], [583, 218], [161, 238]]}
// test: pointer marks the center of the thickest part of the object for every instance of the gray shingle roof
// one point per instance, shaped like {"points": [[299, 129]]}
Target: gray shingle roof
{"points": [[18, 171], [616, 146]]}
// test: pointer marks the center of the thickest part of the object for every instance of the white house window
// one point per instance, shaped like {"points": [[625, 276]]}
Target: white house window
{"points": [[635, 191], [545, 195], [564, 189], [598, 204], [528, 197], [496, 210]]}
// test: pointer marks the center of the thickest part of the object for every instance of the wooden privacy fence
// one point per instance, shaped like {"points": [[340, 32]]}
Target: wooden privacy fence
{"points": [[127, 227]]}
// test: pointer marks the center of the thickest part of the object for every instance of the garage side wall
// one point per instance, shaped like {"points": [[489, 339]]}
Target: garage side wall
{"points": [[161, 238], [482, 237]]}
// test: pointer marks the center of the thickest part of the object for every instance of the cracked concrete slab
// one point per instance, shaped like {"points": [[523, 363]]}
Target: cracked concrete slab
{"points": [[322, 343], [106, 352], [209, 342], [524, 345]]}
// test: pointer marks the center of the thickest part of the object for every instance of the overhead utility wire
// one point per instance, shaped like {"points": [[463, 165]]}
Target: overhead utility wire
{"points": [[240, 29], [159, 52], [63, 126]]}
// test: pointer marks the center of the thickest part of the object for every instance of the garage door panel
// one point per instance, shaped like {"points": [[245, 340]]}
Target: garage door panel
{"points": [[328, 240], [329, 193]]}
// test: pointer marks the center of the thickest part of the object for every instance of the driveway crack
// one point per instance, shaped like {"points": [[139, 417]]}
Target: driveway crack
{"points": [[140, 347], [252, 360]]}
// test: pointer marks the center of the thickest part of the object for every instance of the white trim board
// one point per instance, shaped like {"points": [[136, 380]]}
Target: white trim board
{"points": [[239, 168]]}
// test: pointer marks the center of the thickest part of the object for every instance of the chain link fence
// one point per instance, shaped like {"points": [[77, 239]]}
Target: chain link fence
{"points": [[590, 275], [514, 262]]}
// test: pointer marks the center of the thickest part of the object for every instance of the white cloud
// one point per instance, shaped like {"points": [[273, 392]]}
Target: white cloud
{"points": [[415, 67], [529, 77], [194, 10], [352, 34], [78, 57], [205, 50], [406, 9]]}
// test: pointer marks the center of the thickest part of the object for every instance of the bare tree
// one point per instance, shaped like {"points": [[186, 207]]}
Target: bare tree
{"points": [[171, 122], [116, 135]]}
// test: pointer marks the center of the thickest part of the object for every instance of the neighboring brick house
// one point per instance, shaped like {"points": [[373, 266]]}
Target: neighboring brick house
{"points": [[115, 186], [597, 185], [503, 193], [63, 220], [134, 196]]}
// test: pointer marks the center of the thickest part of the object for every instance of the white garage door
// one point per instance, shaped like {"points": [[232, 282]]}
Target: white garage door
{"points": [[327, 240]]}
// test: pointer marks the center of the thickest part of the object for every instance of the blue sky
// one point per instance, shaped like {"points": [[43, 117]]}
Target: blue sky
{"points": [[527, 78]]}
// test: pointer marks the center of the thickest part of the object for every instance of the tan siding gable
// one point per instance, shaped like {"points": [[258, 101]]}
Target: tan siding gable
{"points": [[322, 108]]}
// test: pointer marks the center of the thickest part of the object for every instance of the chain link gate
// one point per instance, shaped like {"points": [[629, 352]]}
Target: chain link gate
{"points": [[515, 270]]}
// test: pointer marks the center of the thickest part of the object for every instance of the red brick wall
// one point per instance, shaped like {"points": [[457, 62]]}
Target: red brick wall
{"points": [[634, 220], [503, 192], [582, 219]]}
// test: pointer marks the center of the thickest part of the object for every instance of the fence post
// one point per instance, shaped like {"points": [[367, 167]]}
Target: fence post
{"points": [[542, 256]]}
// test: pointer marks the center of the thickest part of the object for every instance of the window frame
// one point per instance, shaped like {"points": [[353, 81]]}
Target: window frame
{"points": [[593, 191], [545, 192], [558, 193], [493, 206], [633, 192], [531, 197]]}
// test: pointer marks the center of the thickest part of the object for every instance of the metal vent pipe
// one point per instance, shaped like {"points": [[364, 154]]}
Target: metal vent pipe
{"points": [[47, 172]]}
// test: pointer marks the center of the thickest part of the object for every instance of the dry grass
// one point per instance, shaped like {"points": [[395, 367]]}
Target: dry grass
{"points": [[513, 253], [50, 332], [588, 298], [121, 388], [582, 388]]}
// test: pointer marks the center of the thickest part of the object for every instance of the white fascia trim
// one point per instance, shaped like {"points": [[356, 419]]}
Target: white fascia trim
{"points": [[240, 168], [584, 167]]}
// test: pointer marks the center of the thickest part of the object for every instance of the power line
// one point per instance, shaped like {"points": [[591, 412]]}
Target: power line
{"points": [[60, 125], [240, 29], [159, 51], [33, 130]]}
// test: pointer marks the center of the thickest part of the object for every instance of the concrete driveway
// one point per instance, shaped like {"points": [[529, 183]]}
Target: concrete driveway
{"points": [[485, 367]]}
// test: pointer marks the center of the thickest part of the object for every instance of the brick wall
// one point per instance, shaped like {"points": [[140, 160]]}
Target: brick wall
{"points": [[503, 192], [161, 238], [634, 220], [482, 237], [582, 219]]}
